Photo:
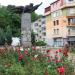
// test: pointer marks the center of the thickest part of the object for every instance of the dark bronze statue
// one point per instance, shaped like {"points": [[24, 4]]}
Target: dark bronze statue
{"points": [[27, 9]]}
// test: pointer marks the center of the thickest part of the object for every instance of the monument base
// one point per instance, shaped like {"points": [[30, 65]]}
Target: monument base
{"points": [[26, 30]]}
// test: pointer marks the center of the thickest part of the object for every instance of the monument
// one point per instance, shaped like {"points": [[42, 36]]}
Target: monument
{"points": [[26, 23]]}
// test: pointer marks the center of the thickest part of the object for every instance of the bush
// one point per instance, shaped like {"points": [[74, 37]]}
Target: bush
{"points": [[40, 43]]}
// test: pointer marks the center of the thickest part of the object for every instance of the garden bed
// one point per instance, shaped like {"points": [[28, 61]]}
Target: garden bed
{"points": [[31, 62]]}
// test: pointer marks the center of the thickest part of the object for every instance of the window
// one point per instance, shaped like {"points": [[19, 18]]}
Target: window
{"points": [[69, 31], [54, 14], [37, 35], [57, 13], [44, 34], [71, 21], [40, 36], [54, 23], [70, 0], [43, 39], [36, 24], [40, 31], [56, 31], [43, 22], [71, 10], [43, 28], [57, 22], [39, 25]]}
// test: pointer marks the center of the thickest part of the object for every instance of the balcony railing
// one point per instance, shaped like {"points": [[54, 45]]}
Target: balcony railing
{"points": [[70, 14], [68, 5], [57, 35], [71, 24], [71, 34]]}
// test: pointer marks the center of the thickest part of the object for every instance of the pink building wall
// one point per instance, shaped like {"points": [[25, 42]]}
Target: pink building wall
{"points": [[56, 5]]}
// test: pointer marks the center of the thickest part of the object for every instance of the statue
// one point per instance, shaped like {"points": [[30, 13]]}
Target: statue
{"points": [[26, 22], [27, 9]]}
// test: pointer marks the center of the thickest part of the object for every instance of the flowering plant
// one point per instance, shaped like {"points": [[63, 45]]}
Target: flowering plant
{"points": [[30, 61]]}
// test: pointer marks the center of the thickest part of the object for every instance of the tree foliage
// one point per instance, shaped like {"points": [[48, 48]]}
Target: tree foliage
{"points": [[33, 38], [10, 23], [2, 37], [8, 35]]}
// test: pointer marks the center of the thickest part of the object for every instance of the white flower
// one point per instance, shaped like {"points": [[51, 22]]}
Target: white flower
{"points": [[36, 56], [28, 49], [49, 66], [21, 48]]}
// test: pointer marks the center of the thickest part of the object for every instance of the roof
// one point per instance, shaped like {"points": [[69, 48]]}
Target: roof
{"points": [[54, 2], [47, 9]]}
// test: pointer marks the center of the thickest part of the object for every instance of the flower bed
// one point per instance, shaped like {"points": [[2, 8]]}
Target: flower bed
{"points": [[31, 62]]}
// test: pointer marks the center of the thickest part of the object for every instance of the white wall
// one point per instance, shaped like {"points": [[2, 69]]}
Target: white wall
{"points": [[67, 1]]}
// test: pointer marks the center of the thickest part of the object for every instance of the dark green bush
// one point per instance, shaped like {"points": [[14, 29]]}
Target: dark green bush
{"points": [[40, 43]]}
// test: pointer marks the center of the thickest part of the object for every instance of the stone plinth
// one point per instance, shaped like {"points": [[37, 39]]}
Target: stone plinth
{"points": [[26, 29]]}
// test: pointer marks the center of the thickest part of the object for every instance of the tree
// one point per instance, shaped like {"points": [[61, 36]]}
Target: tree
{"points": [[33, 38], [10, 23], [2, 37], [34, 16], [11, 8], [8, 35]]}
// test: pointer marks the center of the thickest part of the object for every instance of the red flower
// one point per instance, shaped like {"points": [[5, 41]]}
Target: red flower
{"points": [[48, 60], [48, 51], [26, 52], [58, 61], [18, 50], [65, 53], [46, 72], [20, 58], [61, 70], [60, 50], [56, 52], [34, 48]]}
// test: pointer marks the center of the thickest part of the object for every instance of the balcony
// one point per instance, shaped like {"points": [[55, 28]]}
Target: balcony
{"points": [[69, 14], [71, 22], [66, 5], [57, 36], [71, 34], [71, 31]]}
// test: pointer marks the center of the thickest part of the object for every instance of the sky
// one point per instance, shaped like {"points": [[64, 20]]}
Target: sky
{"points": [[39, 11]]}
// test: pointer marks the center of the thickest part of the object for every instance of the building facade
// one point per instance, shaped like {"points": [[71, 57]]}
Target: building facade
{"points": [[60, 23], [39, 28]]}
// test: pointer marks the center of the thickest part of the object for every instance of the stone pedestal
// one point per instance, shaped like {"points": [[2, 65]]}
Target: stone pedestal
{"points": [[26, 29]]}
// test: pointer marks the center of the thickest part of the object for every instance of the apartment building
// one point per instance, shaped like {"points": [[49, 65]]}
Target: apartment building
{"points": [[39, 28], [60, 23]]}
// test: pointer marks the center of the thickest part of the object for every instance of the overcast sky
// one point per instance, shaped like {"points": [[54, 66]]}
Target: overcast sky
{"points": [[26, 2]]}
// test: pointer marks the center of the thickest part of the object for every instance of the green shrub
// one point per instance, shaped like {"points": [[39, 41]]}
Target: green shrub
{"points": [[40, 43]]}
